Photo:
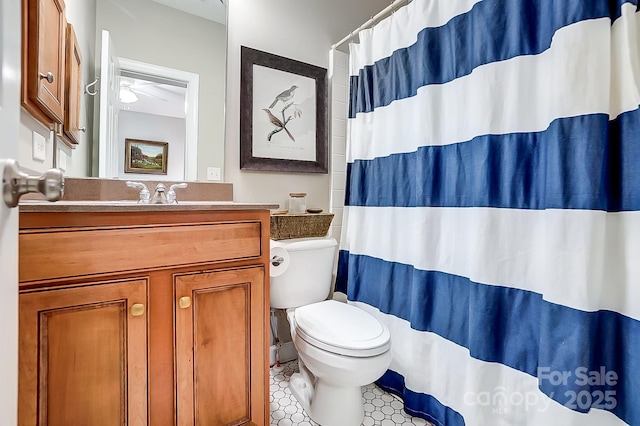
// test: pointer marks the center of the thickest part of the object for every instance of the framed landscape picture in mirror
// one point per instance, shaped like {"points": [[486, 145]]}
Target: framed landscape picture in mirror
{"points": [[145, 156], [283, 114]]}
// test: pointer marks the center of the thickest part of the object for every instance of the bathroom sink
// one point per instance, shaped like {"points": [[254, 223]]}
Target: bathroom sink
{"points": [[114, 195]]}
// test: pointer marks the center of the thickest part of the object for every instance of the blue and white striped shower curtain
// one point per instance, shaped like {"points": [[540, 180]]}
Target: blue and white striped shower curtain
{"points": [[492, 205]]}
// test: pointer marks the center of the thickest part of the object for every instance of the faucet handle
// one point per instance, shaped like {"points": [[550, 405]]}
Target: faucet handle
{"points": [[145, 196], [171, 195]]}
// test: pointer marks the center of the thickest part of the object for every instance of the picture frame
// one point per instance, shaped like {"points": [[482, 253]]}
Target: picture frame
{"points": [[283, 114], [142, 156]]}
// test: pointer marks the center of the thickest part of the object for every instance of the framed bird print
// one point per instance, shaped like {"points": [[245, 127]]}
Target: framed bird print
{"points": [[283, 114]]}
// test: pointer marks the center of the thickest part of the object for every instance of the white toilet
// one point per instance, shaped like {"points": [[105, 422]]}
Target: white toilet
{"points": [[340, 347]]}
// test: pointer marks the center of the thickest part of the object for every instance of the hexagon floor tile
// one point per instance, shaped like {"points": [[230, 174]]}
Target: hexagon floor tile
{"points": [[380, 408]]}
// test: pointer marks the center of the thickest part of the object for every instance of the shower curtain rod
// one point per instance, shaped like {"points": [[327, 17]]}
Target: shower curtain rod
{"points": [[394, 5]]}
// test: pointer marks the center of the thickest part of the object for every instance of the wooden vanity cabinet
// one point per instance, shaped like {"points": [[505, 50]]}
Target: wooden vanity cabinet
{"points": [[138, 318]]}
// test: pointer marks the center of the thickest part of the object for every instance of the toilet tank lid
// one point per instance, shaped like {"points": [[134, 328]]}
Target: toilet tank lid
{"points": [[341, 328], [304, 243]]}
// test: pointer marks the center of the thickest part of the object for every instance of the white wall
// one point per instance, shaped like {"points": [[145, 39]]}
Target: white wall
{"points": [[339, 98], [149, 32], [136, 125], [81, 14], [303, 31]]}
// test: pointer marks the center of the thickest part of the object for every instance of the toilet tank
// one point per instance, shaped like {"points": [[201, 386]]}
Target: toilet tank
{"points": [[307, 276]]}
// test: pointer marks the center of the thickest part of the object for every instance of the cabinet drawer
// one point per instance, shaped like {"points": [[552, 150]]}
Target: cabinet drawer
{"points": [[72, 252]]}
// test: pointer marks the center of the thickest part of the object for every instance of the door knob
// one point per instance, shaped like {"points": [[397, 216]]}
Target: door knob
{"points": [[184, 302], [16, 183]]}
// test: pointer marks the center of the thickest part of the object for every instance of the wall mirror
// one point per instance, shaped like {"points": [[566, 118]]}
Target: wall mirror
{"points": [[164, 81]]}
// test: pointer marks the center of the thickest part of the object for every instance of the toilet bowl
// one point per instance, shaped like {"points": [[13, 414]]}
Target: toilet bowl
{"points": [[340, 347]]}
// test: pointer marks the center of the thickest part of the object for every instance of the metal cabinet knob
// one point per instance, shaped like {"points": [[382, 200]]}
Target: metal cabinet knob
{"points": [[137, 309], [184, 302], [16, 183], [48, 76]]}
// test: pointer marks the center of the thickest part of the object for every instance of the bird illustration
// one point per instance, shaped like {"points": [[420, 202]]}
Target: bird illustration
{"points": [[284, 96], [278, 123]]}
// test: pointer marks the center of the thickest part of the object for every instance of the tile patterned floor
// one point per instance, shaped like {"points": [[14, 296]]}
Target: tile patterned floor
{"points": [[380, 408]]}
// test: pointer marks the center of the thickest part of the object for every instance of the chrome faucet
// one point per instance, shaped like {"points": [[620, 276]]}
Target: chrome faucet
{"points": [[160, 195]]}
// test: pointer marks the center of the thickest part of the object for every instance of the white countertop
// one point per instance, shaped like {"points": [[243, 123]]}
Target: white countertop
{"points": [[133, 206]]}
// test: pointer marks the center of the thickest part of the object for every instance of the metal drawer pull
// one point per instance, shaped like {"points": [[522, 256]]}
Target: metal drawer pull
{"points": [[137, 309], [48, 76], [184, 302]]}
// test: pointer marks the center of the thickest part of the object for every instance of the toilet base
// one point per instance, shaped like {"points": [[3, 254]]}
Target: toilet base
{"points": [[301, 385], [329, 386], [325, 403]]}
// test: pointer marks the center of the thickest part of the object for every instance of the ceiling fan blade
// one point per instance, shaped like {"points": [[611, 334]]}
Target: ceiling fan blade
{"points": [[147, 94], [140, 83]]}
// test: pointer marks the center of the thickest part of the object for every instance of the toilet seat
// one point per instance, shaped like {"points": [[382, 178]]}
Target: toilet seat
{"points": [[342, 329]]}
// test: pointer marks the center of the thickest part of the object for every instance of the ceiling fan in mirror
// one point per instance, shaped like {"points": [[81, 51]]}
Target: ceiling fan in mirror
{"points": [[131, 88], [150, 94]]}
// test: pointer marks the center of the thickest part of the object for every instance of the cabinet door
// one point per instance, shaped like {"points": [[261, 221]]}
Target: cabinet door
{"points": [[83, 355], [73, 87], [221, 348], [46, 56]]}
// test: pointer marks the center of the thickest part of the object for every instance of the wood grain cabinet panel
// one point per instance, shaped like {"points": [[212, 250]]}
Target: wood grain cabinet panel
{"points": [[219, 346], [73, 88], [83, 355], [44, 59], [51, 68], [95, 251]]}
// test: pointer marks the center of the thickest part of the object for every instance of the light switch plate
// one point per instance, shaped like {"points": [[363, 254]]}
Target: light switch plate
{"points": [[213, 173], [39, 147]]}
